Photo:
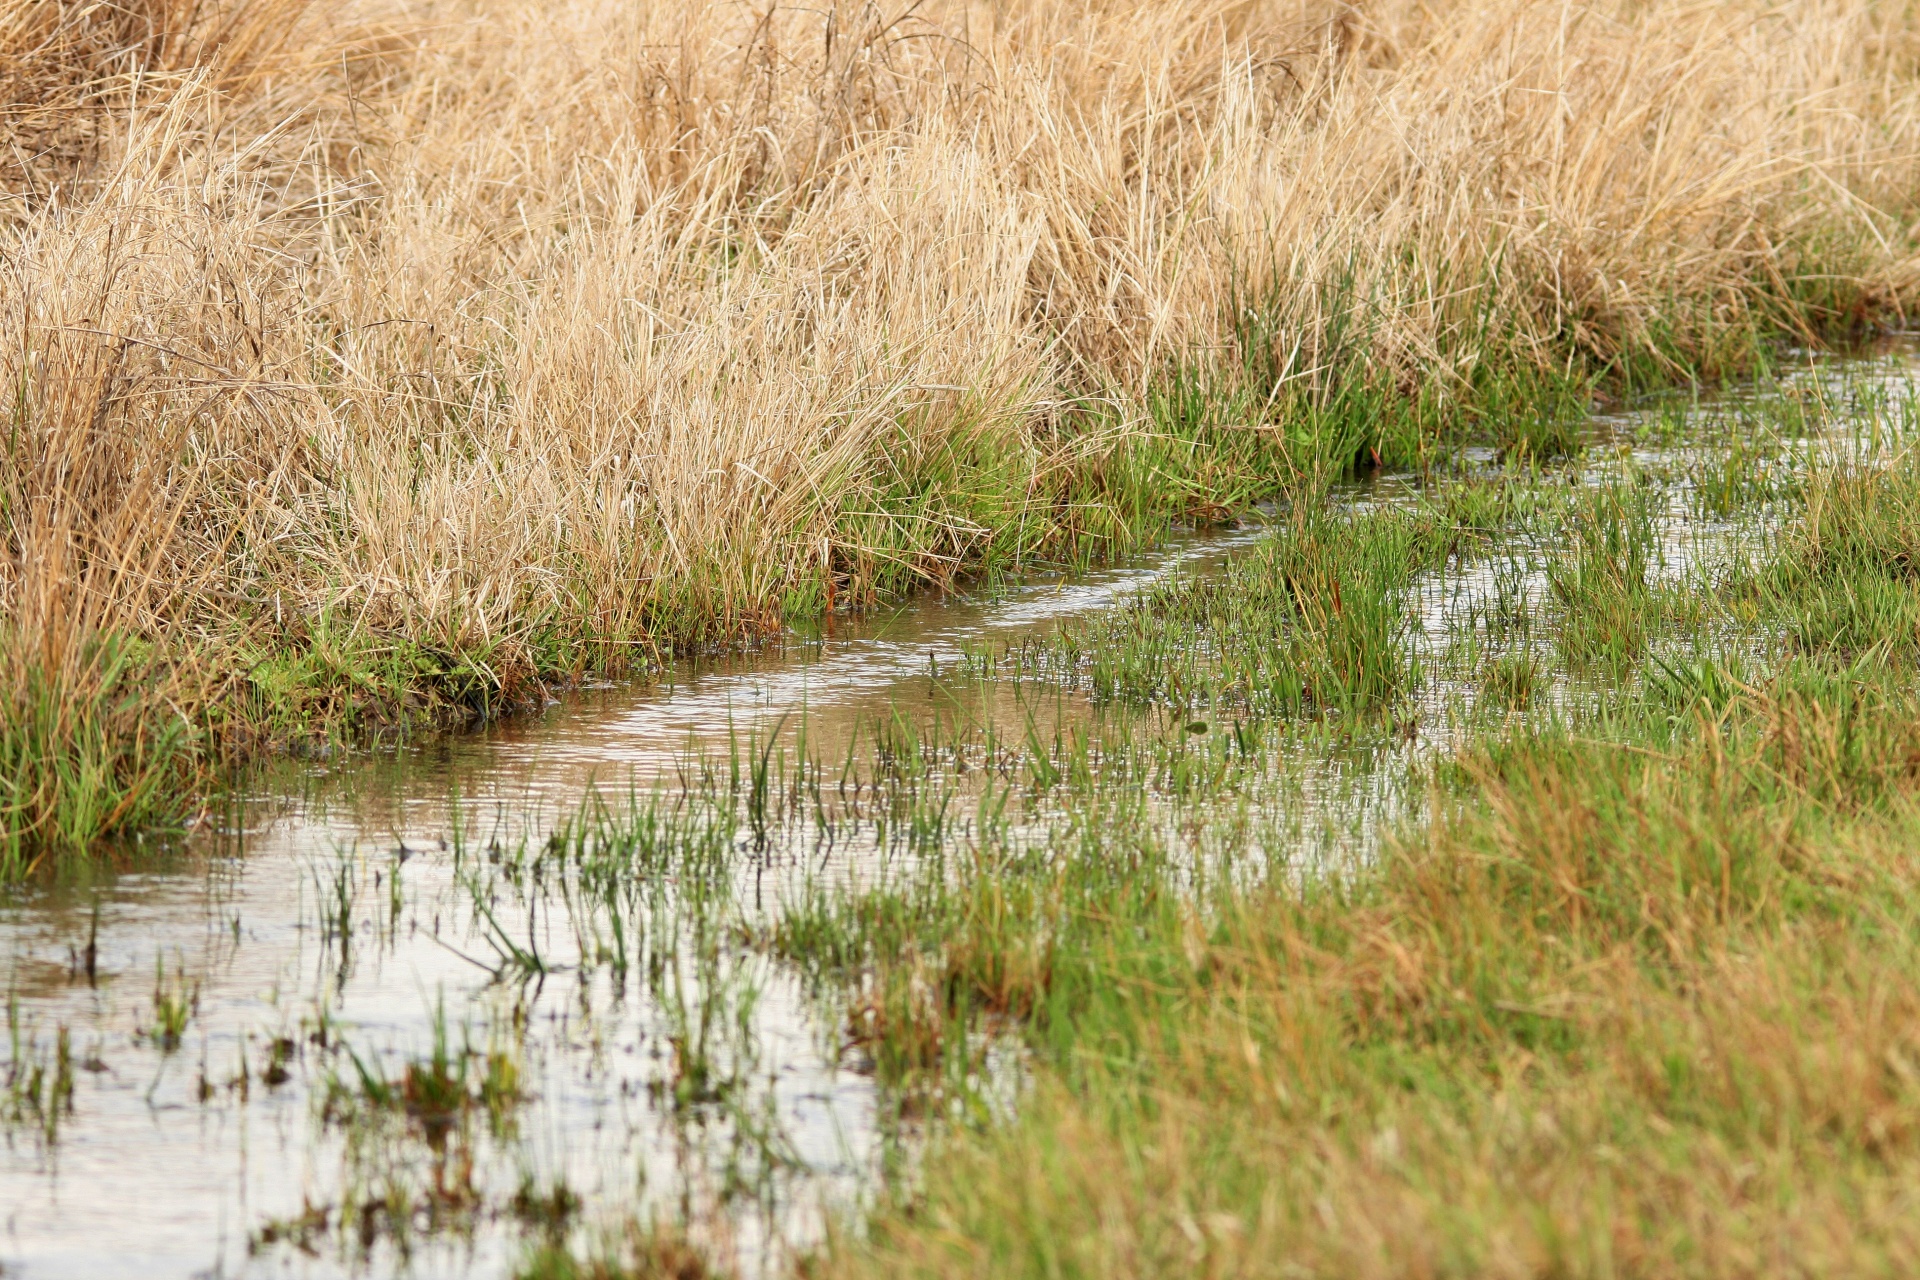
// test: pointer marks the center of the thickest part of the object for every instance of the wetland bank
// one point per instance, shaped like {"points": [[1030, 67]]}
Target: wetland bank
{"points": [[1097, 639]]}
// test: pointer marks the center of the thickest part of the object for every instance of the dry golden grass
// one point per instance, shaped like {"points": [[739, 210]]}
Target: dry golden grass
{"points": [[357, 349]]}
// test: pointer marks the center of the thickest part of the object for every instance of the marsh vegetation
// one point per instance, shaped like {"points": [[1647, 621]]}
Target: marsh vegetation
{"points": [[1500, 868], [1023, 638]]}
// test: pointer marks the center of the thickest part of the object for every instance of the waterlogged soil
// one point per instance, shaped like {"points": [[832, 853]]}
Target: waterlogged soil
{"points": [[325, 922], [359, 1024]]}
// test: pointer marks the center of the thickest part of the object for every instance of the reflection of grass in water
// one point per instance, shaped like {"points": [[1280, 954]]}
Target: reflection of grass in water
{"points": [[1609, 608], [36, 1084], [391, 1194], [436, 1092], [635, 1252]]}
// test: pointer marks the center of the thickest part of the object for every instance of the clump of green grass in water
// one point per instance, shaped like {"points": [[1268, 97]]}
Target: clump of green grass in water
{"points": [[175, 1003], [1600, 580], [409, 1147], [926, 962], [1004, 938], [90, 747], [436, 1093], [1512, 679], [708, 1006], [1742, 469], [548, 1210], [1501, 504], [1843, 577], [1315, 617]]}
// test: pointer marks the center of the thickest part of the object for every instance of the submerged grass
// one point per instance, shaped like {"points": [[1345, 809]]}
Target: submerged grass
{"points": [[638, 1253]]}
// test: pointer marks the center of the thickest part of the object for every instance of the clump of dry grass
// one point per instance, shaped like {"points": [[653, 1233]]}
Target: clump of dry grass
{"points": [[377, 357], [67, 69]]}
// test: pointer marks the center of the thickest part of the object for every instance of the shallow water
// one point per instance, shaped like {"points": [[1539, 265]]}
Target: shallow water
{"points": [[381, 901], [176, 1161]]}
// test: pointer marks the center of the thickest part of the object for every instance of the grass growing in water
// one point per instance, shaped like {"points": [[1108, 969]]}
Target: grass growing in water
{"points": [[1316, 616], [1843, 582], [36, 1084], [1601, 581]]}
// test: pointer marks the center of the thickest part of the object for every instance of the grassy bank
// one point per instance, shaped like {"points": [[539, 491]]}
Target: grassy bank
{"points": [[1627, 994], [373, 363], [1639, 1007]]}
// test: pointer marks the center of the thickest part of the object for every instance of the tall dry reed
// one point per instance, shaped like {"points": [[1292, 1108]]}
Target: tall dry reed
{"points": [[367, 358]]}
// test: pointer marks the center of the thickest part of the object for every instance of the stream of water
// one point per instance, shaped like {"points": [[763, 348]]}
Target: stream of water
{"points": [[206, 1157], [324, 925]]}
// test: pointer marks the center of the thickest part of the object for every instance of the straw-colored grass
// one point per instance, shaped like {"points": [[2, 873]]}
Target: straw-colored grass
{"points": [[372, 358]]}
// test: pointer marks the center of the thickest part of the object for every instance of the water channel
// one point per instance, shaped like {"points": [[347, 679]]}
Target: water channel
{"points": [[323, 925], [204, 1157]]}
